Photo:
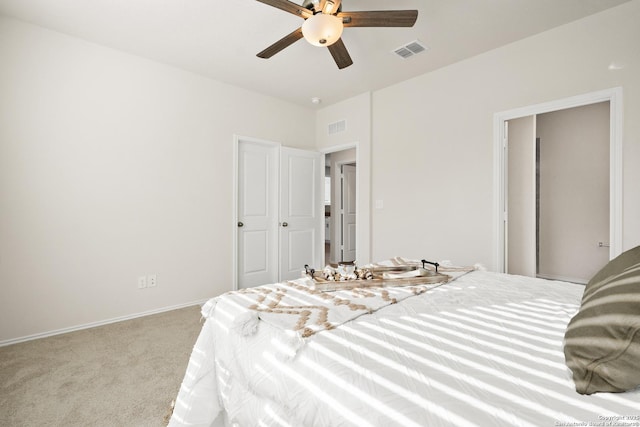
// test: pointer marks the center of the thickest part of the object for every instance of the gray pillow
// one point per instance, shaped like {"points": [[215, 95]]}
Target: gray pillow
{"points": [[602, 341]]}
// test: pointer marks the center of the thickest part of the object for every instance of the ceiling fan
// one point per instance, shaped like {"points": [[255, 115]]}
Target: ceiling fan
{"points": [[324, 22]]}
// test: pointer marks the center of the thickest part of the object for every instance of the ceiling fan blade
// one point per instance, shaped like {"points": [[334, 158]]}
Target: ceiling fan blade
{"points": [[380, 18], [290, 7], [284, 42], [340, 55]]}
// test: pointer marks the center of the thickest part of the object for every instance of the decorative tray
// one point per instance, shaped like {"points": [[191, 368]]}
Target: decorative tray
{"points": [[347, 277]]}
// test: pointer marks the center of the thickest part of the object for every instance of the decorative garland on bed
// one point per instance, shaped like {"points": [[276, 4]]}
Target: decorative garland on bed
{"points": [[297, 307]]}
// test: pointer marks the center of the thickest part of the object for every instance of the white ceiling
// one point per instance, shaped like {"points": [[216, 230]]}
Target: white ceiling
{"points": [[220, 39]]}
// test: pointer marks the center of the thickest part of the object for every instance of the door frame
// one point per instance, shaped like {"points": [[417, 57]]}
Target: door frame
{"points": [[614, 96], [363, 201], [234, 204]]}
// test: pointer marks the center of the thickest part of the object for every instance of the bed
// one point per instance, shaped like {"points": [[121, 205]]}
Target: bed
{"points": [[483, 349]]}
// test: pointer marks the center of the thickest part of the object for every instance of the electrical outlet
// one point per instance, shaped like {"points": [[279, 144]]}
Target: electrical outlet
{"points": [[142, 282], [152, 280]]}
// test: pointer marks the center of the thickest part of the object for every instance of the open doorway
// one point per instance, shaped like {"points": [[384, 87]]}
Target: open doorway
{"points": [[340, 206], [613, 176], [558, 193]]}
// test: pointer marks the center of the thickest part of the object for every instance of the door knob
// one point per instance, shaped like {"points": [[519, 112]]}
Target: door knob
{"points": [[284, 224], [240, 224]]}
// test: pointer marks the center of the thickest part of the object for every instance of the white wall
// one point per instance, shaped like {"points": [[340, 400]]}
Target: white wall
{"points": [[112, 167], [432, 152], [356, 112]]}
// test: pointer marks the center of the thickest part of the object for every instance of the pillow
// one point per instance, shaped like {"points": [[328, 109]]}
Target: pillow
{"points": [[602, 341]]}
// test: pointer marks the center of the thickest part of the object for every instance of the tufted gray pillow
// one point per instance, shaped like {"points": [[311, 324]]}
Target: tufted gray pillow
{"points": [[602, 341]]}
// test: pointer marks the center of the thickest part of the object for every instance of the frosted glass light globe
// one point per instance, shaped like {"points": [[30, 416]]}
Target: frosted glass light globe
{"points": [[322, 29]]}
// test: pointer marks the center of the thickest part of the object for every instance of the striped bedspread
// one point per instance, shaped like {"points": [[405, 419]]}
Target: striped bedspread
{"points": [[484, 350]]}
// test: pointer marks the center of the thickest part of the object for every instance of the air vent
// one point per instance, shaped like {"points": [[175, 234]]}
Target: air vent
{"points": [[410, 49], [337, 127]]}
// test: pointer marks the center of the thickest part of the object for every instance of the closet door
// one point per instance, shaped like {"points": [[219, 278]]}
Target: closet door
{"points": [[301, 211], [257, 214], [280, 213]]}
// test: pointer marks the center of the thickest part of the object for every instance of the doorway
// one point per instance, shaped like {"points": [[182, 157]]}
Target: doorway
{"points": [[613, 178], [558, 193], [340, 206]]}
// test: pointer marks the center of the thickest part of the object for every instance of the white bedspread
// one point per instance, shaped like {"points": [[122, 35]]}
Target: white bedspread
{"points": [[484, 350]]}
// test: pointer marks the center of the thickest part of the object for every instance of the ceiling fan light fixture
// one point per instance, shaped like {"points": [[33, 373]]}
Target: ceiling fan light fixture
{"points": [[328, 7], [322, 29]]}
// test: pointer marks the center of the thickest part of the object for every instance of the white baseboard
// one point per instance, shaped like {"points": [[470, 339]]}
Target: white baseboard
{"points": [[99, 323]]}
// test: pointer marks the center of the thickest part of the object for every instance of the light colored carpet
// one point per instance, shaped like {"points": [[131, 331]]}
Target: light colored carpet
{"points": [[122, 374]]}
